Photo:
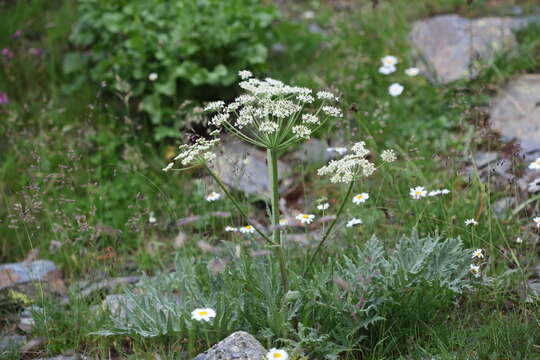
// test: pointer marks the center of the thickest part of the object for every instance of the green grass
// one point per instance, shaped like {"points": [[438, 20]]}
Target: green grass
{"points": [[87, 175]]}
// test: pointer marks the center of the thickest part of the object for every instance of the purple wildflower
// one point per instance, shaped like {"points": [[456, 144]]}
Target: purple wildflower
{"points": [[3, 98], [6, 52]]}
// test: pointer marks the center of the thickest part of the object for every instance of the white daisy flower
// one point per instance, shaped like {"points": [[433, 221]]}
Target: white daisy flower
{"points": [[471, 222], [353, 222], [305, 218], [248, 229], [323, 206], [389, 60], [168, 167], [245, 74], [277, 354], [412, 71], [360, 198], [395, 89], [537, 221], [205, 314], [385, 70], [230, 229], [153, 77], [213, 196], [478, 254], [475, 269], [389, 156], [418, 192], [535, 165]]}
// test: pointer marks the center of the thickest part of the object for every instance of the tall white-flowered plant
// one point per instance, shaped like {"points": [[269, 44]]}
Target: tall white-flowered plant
{"points": [[275, 116]]}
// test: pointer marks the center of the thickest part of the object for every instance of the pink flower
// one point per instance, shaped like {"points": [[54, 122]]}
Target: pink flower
{"points": [[7, 53], [3, 98], [17, 34], [36, 51]]}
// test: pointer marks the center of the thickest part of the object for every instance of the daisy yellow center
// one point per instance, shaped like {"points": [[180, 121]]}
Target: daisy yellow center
{"points": [[203, 313], [248, 227], [537, 162], [418, 192], [359, 197], [277, 355], [305, 217], [537, 220]]}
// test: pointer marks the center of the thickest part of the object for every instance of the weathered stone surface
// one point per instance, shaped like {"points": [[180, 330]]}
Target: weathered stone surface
{"points": [[70, 357], [244, 168], [314, 151], [515, 112], [448, 46], [12, 342], [238, 346], [25, 272]]}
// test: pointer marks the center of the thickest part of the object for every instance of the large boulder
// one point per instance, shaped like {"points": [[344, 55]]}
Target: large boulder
{"points": [[450, 47]]}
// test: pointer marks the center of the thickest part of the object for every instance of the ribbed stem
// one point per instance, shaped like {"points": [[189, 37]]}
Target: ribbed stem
{"points": [[273, 178]]}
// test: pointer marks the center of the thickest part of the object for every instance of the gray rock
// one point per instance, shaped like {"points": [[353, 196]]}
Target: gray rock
{"points": [[449, 46], [515, 112], [314, 151], [70, 357], [502, 206], [21, 273], [12, 342], [244, 168], [238, 346]]}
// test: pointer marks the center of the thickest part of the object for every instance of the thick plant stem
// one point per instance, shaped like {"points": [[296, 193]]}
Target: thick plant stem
{"points": [[321, 243], [273, 178], [236, 204]]}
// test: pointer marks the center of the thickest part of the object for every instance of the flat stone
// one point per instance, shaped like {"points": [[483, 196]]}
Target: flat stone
{"points": [[238, 346], [314, 151], [450, 47], [21, 273], [515, 112], [12, 342], [244, 168], [70, 357]]}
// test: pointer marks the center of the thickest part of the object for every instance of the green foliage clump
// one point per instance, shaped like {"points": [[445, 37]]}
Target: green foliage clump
{"points": [[194, 48], [325, 315]]}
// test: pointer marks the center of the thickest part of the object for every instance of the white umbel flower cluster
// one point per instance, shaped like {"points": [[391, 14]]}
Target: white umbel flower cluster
{"points": [[198, 153], [272, 114], [349, 167]]}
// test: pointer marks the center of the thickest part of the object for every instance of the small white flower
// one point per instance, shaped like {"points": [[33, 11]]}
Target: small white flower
{"points": [[418, 192], [245, 74], [535, 165], [305, 218], [478, 254], [274, 354], [219, 119], [385, 70], [475, 269], [445, 191], [168, 167], [332, 111], [205, 314], [360, 198], [325, 95], [353, 222], [434, 193], [153, 77], [537, 221], [310, 119], [268, 127], [283, 222], [389, 60], [306, 98], [471, 222], [395, 89], [213, 196], [230, 229], [151, 218], [412, 71], [323, 206], [214, 106], [248, 229], [389, 156], [519, 240], [301, 131]]}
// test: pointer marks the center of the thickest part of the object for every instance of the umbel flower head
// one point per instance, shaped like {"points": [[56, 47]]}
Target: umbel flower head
{"points": [[349, 167], [195, 154], [274, 115]]}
